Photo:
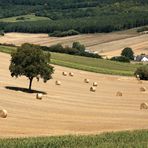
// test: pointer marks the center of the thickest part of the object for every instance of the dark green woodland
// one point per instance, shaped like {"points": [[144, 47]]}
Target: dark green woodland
{"points": [[84, 16]]}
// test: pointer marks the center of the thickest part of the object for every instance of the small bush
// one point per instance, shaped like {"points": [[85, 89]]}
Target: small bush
{"points": [[78, 46], [120, 59], [142, 29], [63, 34], [142, 72], [92, 55]]}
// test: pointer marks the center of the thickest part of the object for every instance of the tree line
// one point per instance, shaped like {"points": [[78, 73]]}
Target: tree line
{"points": [[83, 25], [98, 15]]}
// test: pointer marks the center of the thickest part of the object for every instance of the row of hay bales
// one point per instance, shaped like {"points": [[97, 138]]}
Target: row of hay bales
{"points": [[140, 82], [39, 96], [70, 74], [92, 88], [143, 105], [142, 89]]}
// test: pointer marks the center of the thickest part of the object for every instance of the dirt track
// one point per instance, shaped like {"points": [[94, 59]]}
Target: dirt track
{"points": [[109, 44], [71, 108]]}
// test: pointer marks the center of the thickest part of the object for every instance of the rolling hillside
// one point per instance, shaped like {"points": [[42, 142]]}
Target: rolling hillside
{"points": [[108, 44], [70, 108]]}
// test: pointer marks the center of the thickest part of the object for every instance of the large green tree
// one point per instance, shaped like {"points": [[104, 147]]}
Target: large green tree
{"points": [[29, 60], [128, 52]]}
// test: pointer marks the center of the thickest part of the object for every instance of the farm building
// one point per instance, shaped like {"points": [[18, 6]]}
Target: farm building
{"points": [[141, 58]]}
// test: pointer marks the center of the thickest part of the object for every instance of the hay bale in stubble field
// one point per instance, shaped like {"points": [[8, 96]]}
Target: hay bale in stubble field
{"points": [[64, 73], [142, 89], [39, 96], [3, 113], [71, 74], [119, 94], [86, 80], [58, 82], [143, 106], [95, 84], [93, 89]]}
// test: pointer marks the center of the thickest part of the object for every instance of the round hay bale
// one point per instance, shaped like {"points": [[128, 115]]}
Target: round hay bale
{"points": [[95, 84], [58, 82], [119, 94], [39, 96], [93, 89], [64, 73], [3, 113], [86, 80], [137, 76], [71, 74], [143, 106], [142, 89]]}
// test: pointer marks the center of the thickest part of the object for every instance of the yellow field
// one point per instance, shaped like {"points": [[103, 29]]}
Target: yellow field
{"points": [[109, 44], [71, 108]]}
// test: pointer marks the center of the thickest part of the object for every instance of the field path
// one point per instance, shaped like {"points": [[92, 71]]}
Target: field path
{"points": [[71, 108]]}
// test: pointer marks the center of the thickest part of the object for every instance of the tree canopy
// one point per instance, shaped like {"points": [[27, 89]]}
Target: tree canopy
{"points": [[128, 52], [30, 61], [84, 16]]}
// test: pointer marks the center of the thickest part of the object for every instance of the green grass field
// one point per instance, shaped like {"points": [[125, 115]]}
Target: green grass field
{"points": [[94, 65], [135, 139], [30, 17], [87, 64], [7, 49]]}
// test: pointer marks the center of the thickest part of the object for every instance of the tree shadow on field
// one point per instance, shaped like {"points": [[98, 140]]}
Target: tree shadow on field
{"points": [[24, 90]]}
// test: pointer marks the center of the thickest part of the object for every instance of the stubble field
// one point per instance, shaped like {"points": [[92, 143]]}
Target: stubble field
{"points": [[70, 108], [109, 44]]}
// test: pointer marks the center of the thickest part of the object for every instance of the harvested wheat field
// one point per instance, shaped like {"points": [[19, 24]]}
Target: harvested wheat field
{"points": [[43, 39], [109, 44], [70, 108]]}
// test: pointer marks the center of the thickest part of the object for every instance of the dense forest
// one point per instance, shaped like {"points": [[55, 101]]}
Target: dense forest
{"points": [[84, 16]]}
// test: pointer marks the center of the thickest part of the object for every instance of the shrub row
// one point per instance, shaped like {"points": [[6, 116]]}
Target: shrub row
{"points": [[120, 59], [69, 50], [145, 28], [64, 33]]}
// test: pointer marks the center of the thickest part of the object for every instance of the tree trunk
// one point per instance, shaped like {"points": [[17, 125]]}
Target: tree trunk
{"points": [[30, 84]]}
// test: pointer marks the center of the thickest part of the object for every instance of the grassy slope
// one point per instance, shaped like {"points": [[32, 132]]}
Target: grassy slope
{"points": [[94, 65], [30, 17], [87, 64], [127, 139], [7, 49]]}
